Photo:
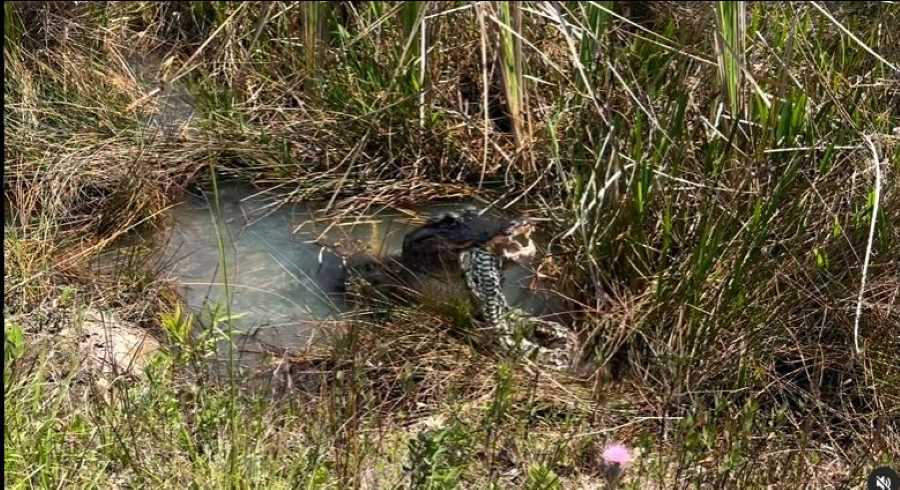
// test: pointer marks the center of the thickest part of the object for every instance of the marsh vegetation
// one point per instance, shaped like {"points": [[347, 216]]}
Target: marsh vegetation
{"points": [[716, 182]]}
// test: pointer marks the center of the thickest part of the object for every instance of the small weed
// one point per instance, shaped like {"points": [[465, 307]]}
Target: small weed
{"points": [[438, 457], [540, 477]]}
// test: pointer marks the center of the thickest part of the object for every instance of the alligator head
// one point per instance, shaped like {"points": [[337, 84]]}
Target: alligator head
{"points": [[438, 243]]}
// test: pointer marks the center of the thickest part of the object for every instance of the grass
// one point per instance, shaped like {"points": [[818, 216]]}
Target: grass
{"points": [[510, 28], [711, 202], [732, 28]]}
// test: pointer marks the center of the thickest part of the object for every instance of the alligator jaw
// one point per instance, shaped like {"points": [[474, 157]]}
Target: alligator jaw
{"points": [[508, 244], [522, 253]]}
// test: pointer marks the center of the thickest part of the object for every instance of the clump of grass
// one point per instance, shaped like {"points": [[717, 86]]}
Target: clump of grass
{"points": [[596, 16]]}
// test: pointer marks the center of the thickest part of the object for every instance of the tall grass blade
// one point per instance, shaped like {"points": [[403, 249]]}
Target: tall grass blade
{"points": [[412, 15], [729, 38], [876, 199], [595, 20], [511, 67], [485, 86], [314, 37], [222, 235], [12, 28]]}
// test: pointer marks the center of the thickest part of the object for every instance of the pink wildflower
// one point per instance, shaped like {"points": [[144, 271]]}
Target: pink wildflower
{"points": [[617, 454], [615, 458]]}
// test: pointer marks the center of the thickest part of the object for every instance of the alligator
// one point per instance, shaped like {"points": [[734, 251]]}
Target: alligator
{"points": [[474, 248]]}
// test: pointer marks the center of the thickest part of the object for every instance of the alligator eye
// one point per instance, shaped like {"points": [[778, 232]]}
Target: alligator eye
{"points": [[446, 218]]}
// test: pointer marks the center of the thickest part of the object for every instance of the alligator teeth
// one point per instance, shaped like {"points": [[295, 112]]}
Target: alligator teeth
{"points": [[522, 252]]}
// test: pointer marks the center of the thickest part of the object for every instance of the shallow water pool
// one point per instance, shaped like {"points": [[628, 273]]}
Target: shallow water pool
{"points": [[284, 286]]}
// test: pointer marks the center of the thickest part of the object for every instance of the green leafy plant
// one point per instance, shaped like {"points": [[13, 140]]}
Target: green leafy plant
{"points": [[541, 477], [437, 457], [13, 344]]}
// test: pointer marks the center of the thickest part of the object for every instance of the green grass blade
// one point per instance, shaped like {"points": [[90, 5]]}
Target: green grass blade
{"points": [[511, 66], [729, 38], [595, 20], [314, 36], [412, 15]]}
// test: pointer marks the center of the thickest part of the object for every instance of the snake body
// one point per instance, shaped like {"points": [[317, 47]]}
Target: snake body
{"points": [[483, 271], [477, 247], [483, 274]]}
